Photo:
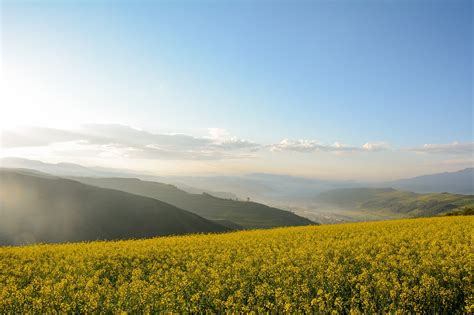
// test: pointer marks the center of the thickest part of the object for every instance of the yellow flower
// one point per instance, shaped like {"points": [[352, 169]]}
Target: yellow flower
{"points": [[404, 266]]}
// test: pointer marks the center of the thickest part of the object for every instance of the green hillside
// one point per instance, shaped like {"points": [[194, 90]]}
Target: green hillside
{"points": [[245, 213], [393, 202], [40, 208], [468, 210]]}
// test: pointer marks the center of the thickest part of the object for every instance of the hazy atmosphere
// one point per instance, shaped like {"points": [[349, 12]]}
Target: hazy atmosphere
{"points": [[236, 157], [359, 90]]}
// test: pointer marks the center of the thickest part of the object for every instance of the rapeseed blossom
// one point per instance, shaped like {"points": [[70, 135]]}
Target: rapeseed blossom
{"points": [[414, 265]]}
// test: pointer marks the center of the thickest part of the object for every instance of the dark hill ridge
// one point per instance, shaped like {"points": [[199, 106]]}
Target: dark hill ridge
{"points": [[38, 208], [244, 213]]}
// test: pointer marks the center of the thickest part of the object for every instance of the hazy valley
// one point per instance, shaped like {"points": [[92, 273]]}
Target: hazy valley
{"points": [[76, 203]]}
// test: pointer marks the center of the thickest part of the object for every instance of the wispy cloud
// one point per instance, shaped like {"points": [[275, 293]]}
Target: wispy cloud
{"points": [[450, 148], [35, 137], [111, 140], [307, 146], [132, 142], [462, 162]]}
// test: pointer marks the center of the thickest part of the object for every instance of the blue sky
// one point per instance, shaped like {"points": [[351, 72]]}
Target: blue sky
{"points": [[397, 72]]}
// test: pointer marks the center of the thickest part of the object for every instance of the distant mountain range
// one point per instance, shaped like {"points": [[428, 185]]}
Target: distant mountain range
{"points": [[37, 207], [70, 169], [62, 169], [223, 199], [460, 182], [272, 188], [268, 188], [389, 202]]}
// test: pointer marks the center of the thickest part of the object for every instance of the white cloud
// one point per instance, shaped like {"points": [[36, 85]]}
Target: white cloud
{"points": [[307, 146], [113, 140], [454, 148], [295, 145], [375, 146]]}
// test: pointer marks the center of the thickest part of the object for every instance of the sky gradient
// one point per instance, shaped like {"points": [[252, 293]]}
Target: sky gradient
{"points": [[346, 89]]}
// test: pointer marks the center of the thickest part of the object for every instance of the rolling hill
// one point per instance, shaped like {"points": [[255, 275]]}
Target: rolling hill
{"points": [[395, 203], [71, 169], [60, 169], [41, 208], [244, 213]]}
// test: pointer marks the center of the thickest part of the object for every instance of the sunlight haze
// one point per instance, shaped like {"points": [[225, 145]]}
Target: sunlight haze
{"points": [[229, 89]]}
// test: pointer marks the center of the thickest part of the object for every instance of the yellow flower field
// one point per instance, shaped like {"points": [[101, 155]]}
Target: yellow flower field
{"points": [[415, 265]]}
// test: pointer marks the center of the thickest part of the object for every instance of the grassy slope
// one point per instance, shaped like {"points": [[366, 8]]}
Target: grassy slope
{"points": [[395, 203], [410, 266], [246, 214], [38, 208], [463, 211]]}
